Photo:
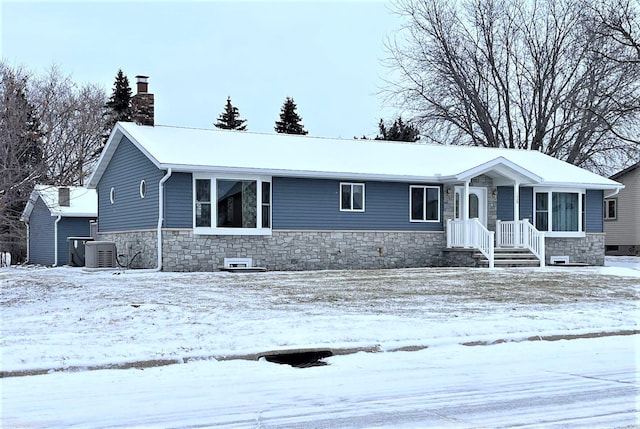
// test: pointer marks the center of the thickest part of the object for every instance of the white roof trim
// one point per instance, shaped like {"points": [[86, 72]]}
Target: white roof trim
{"points": [[518, 172]]}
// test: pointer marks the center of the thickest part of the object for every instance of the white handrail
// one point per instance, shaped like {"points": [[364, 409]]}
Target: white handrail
{"points": [[471, 234], [521, 234]]}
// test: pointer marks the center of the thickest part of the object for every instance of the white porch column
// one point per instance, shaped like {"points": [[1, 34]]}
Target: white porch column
{"points": [[516, 214], [464, 203]]}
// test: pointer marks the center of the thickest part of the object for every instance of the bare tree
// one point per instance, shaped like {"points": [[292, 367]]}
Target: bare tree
{"points": [[531, 75], [73, 121], [20, 157], [619, 20]]}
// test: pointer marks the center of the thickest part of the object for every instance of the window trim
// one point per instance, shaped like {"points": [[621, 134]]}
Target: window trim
{"points": [[352, 184], [581, 192], [143, 188], [614, 201], [214, 230], [112, 195], [424, 201]]}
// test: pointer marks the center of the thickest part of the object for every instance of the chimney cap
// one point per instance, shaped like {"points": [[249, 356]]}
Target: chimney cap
{"points": [[142, 78]]}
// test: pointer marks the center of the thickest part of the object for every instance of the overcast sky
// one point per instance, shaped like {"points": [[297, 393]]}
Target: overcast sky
{"points": [[326, 55]]}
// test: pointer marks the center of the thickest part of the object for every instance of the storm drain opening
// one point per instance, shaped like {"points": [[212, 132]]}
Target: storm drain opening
{"points": [[300, 359]]}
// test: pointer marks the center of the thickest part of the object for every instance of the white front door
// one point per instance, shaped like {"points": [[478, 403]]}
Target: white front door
{"points": [[477, 203]]}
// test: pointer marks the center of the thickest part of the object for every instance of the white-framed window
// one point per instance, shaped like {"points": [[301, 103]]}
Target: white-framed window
{"points": [[143, 189], [352, 197], [232, 205], [611, 209], [112, 195], [424, 203], [560, 212]]}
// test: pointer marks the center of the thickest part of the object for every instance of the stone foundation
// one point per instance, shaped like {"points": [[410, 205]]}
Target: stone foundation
{"points": [[284, 250], [320, 250], [588, 250]]}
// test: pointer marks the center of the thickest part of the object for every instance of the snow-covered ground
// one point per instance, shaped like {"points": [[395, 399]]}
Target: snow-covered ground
{"points": [[64, 318]]}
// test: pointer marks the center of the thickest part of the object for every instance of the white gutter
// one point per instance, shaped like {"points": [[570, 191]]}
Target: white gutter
{"points": [[161, 216], [614, 193], [55, 241]]}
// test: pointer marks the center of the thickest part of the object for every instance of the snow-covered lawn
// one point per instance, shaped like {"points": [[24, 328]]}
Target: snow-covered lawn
{"points": [[67, 318], [64, 318]]}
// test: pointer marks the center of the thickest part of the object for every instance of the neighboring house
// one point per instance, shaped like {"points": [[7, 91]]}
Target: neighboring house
{"points": [[185, 199], [54, 214], [621, 219]]}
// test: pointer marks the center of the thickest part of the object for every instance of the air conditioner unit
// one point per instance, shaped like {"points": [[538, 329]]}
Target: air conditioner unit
{"points": [[100, 254]]}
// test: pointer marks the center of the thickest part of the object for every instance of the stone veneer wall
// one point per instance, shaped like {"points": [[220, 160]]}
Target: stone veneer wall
{"points": [[285, 250], [130, 243], [587, 250]]}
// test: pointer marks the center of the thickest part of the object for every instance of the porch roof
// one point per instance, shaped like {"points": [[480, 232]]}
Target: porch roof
{"points": [[237, 152]]}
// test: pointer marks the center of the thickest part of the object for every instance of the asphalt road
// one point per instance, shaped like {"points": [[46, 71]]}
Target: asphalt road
{"points": [[578, 383]]}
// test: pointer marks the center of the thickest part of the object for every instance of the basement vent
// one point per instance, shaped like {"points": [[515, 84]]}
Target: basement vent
{"points": [[238, 262], [100, 254], [237, 265], [559, 260]]}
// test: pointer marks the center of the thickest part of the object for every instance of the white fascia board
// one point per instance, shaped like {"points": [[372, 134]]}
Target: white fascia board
{"points": [[28, 208], [110, 148], [500, 161], [107, 152], [303, 173], [73, 214], [597, 186]]}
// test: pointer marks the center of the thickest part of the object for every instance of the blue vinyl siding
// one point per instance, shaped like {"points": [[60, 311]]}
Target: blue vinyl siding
{"points": [[70, 227], [127, 169], [505, 203], [315, 204], [526, 204], [41, 234], [178, 204], [594, 211]]}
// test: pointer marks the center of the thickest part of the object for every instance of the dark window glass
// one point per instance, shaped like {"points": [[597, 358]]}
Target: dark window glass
{"points": [[266, 205], [237, 203], [433, 207], [417, 203], [203, 203]]}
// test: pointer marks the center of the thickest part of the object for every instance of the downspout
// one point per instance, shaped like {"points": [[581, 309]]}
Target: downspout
{"points": [[161, 216], [28, 242], [615, 192], [55, 240]]}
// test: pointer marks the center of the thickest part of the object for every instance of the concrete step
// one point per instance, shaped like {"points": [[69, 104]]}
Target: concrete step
{"points": [[509, 257], [510, 263]]}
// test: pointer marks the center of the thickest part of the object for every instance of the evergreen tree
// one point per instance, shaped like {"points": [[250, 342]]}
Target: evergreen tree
{"points": [[289, 122], [229, 119], [399, 131], [120, 101]]}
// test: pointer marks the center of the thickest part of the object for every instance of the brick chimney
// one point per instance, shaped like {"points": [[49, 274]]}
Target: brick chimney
{"points": [[64, 197], [142, 103]]}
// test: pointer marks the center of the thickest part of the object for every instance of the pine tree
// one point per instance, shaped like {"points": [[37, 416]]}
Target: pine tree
{"points": [[399, 131], [120, 100], [229, 119], [289, 122]]}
